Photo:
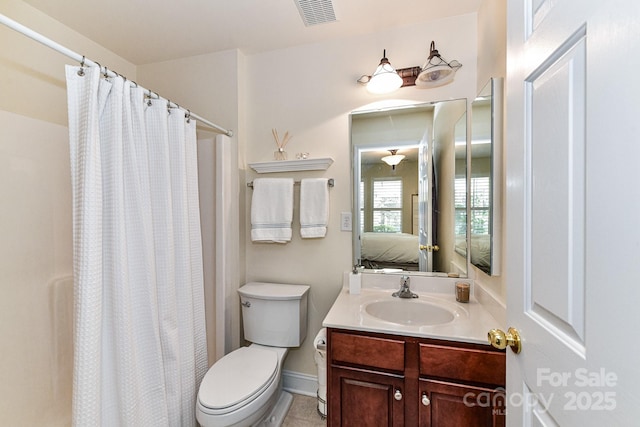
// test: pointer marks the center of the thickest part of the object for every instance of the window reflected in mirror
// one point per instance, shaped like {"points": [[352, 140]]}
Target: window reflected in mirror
{"points": [[486, 131]]}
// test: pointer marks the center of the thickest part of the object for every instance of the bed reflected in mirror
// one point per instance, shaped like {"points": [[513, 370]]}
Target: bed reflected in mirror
{"points": [[404, 177]]}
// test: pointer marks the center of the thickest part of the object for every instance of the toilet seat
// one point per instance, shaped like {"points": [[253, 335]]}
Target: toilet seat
{"points": [[237, 378]]}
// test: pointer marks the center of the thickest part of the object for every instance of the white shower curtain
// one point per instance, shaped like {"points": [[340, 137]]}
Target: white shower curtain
{"points": [[139, 337]]}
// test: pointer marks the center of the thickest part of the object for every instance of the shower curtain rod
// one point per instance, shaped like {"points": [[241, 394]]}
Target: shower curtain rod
{"points": [[8, 22]]}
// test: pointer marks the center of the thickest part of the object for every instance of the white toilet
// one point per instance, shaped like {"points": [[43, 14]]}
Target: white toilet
{"points": [[244, 388]]}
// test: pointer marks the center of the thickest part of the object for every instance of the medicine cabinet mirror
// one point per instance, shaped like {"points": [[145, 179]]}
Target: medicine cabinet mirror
{"points": [[405, 215], [485, 180]]}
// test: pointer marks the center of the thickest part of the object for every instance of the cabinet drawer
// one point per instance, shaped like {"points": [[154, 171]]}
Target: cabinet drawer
{"points": [[374, 352], [470, 365]]}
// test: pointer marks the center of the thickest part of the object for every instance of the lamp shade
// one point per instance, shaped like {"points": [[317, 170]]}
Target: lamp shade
{"points": [[436, 71], [385, 79], [393, 159]]}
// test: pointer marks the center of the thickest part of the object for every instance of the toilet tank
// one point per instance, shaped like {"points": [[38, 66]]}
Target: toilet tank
{"points": [[274, 314]]}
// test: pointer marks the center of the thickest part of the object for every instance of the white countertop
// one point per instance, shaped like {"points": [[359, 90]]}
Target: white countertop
{"points": [[471, 322]]}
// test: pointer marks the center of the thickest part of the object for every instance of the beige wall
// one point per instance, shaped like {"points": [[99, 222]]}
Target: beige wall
{"points": [[36, 272], [492, 56], [308, 90], [36, 281], [492, 41], [33, 82]]}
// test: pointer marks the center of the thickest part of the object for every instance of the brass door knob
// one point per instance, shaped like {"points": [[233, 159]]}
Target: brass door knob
{"points": [[429, 248], [500, 340]]}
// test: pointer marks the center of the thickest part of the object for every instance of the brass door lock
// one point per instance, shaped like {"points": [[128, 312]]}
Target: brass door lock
{"points": [[500, 340]]}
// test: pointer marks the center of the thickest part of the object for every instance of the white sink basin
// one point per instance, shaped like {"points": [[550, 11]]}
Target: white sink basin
{"points": [[409, 312]]}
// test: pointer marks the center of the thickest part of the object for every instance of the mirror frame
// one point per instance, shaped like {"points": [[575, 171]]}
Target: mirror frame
{"points": [[494, 88]]}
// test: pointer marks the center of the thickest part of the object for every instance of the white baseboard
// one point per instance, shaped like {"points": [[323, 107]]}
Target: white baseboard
{"points": [[296, 382]]}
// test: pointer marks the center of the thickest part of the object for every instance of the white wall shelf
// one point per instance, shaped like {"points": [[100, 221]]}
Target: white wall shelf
{"points": [[292, 165]]}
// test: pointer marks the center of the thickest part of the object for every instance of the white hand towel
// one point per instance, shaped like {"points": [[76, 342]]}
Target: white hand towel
{"points": [[272, 210], [314, 207]]}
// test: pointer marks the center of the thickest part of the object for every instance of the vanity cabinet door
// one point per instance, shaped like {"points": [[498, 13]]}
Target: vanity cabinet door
{"points": [[366, 398], [444, 404]]}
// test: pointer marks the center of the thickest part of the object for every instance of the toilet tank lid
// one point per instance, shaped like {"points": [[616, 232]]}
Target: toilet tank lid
{"points": [[273, 291]]}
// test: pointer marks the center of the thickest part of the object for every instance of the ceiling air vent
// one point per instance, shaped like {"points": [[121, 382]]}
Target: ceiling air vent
{"points": [[316, 12]]}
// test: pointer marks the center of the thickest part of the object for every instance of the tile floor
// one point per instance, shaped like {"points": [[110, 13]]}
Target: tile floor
{"points": [[303, 413]]}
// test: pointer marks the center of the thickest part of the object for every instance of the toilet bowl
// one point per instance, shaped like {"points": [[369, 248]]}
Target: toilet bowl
{"points": [[244, 388]]}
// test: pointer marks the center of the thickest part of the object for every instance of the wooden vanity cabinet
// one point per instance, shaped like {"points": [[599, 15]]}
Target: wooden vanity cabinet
{"points": [[367, 399], [455, 405], [366, 380], [463, 385], [387, 380]]}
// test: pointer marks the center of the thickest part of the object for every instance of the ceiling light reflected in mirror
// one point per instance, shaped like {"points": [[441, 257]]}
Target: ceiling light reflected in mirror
{"points": [[394, 159]]}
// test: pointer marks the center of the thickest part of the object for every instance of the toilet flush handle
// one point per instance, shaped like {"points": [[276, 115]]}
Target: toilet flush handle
{"points": [[246, 304]]}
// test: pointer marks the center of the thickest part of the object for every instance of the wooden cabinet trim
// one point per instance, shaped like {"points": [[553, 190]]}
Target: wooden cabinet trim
{"points": [[463, 364], [374, 352]]}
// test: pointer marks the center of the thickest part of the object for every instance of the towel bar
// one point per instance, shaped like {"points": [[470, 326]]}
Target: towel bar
{"points": [[330, 183]]}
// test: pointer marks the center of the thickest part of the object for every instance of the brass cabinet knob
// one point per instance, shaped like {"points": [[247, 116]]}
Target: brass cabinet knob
{"points": [[500, 340], [429, 248]]}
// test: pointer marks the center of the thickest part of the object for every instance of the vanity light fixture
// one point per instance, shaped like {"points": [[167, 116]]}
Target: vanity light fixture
{"points": [[384, 80], [394, 159], [436, 71]]}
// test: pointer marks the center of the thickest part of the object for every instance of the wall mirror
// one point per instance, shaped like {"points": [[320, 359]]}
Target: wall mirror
{"points": [[404, 213], [485, 179]]}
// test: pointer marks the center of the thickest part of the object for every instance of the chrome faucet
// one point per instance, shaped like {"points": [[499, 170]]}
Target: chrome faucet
{"points": [[404, 291]]}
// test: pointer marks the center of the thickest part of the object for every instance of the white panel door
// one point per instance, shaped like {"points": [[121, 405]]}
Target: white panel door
{"points": [[573, 207]]}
